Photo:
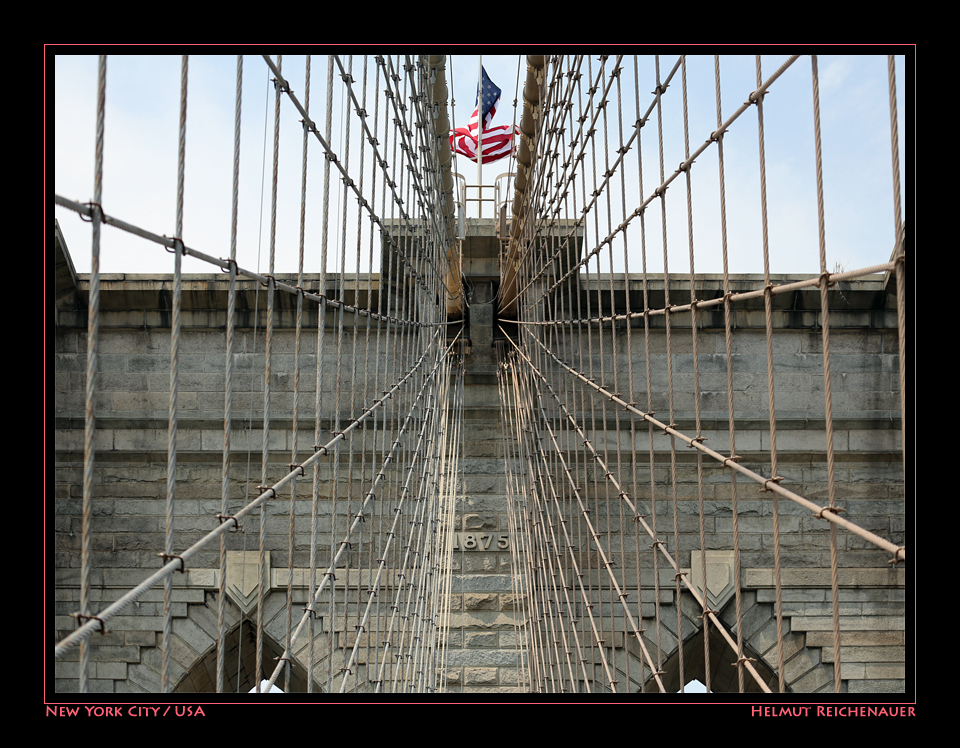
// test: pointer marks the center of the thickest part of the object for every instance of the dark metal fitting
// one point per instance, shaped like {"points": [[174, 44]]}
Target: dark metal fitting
{"points": [[166, 558], [775, 479], [176, 240], [223, 517], [81, 618], [896, 556], [831, 509], [91, 205], [311, 611], [230, 263], [331, 575], [294, 466], [269, 278]]}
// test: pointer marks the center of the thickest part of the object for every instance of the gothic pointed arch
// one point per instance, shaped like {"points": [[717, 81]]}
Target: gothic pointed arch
{"points": [[240, 665], [804, 668]]}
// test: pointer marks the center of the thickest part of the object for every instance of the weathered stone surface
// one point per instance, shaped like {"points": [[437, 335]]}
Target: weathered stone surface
{"points": [[488, 611]]}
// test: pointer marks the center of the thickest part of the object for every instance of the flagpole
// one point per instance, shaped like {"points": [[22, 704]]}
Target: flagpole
{"points": [[480, 139]]}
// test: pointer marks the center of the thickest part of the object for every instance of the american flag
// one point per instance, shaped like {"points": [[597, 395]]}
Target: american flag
{"points": [[497, 141], [488, 96]]}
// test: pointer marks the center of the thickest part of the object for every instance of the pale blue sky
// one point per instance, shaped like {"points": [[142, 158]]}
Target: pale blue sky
{"points": [[141, 158]]}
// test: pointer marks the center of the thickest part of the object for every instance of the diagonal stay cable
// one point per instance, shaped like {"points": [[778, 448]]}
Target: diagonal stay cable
{"points": [[98, 623], [391, 534], [231, 266], [623, 495], [899, 552], [576, 492], [358, 517], [752, 99]]}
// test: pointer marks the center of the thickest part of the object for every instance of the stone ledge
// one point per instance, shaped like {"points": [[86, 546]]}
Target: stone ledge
{"points": [[761, 578]]}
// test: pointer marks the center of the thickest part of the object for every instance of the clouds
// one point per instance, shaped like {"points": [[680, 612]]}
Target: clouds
{"points": [[141, 159]]}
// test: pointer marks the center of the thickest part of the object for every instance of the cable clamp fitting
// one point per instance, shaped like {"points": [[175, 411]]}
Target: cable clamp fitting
{"points": [[223, 517], [81, 619], [775, 479], [830, 509], [177, 244], [166, 557], [91, 206]]}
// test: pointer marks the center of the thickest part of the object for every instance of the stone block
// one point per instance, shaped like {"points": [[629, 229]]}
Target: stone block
{"points": [[112, 670], [876, 686], [800, 665], [453, 676], [480, 676], [192, 635], [484, 639], [144, 678], [864, 654]]}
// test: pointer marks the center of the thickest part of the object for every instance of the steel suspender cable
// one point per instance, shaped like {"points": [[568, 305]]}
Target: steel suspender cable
{"points": [[611, 552]]}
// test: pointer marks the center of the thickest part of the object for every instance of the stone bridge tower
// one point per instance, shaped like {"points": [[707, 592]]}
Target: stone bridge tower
{"points": [[489, 611]]}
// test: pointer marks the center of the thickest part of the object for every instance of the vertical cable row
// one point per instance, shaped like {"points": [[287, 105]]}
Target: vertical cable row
{"points": [[827, 390], [174, 388], [228, 383], [93, 338]]}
